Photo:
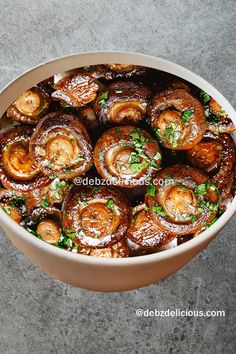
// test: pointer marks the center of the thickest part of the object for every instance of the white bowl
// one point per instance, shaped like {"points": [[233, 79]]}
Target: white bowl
{"points": [[103, 274]]}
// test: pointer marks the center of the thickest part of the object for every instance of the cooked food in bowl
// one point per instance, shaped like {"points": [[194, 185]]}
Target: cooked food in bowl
{"points": [[116, 160]]}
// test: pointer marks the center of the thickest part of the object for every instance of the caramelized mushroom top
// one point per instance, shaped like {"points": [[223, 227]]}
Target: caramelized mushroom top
{"points": [[179, 84], [29, 107], [18, 169], [46, 224], [98, 217], [215, 154], [218, 120], [61, 146], [123, 102], [76, 90], [145, 232], [13, 204], [182, 199], [119, 250], [178, 119], [48, 196], [127, 156], [115, 71]]}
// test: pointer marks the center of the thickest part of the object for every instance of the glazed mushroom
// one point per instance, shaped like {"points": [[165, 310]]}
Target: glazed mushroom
{"points": [[215, 154], [46, 224], [145, 233], [61, 146], [181, 200], [127, 156], [76, 90], [49, 196], [178, 84], [178, 119], [12, 203], [30, 106], [99, 217], [118, 250], [115, 71], [218, 120], [89, 119], [123, 102], [18, 169]]}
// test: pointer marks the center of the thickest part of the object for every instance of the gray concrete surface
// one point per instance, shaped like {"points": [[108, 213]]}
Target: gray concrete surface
{"points": [[39, 315]]}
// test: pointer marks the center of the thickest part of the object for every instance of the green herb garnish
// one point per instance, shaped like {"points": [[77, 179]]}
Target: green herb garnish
{"points": [[172, 135], [42, 113], [186, 115], [205, 97], [110, 203], [95, 190], [209, 224], [100, 156], [136, 167], [84, 196], [158, 132], [64, 105], [207, 111], [45, 202], [157, 156], [203, 187], [154, 164], [151, 190], [33, 232], [138, 139], [193, 217], [138, 160], [159, 210], [52, 177], [7, 209], [203, 204], [70, 234], [103, 99]]}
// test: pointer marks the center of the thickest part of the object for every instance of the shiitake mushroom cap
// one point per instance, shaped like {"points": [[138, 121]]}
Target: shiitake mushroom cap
{"points": [[218, 120], [215, 154], [13, 204], [61, 146], [122, 102], [30, 106], [18, 170], [144, 232], [45, 223], [127, 156], [98, 216], [182, 199], [178, 119]]}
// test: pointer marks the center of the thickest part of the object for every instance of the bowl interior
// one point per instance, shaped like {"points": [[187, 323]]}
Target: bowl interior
{"points": [[43, 71]]}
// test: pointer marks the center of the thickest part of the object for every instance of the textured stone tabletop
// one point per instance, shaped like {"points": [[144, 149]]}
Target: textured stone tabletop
{"points": [[39, 315]]}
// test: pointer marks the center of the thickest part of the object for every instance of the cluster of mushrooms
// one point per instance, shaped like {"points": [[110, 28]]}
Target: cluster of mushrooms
{"points": [[163, 145]]}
